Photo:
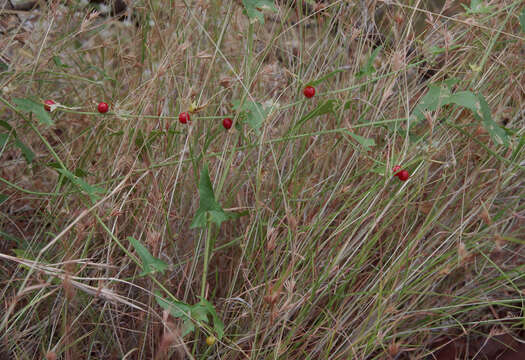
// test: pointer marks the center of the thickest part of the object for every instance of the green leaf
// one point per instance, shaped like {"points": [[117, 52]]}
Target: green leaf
{"points": [[208, 206], [28, 105], [218, 325], [254, 9], [177, 309], [3, 198], [327, 107], [522, 19], [199, 313], [150, 264], [434, 98], [252, 113], [463, 98], [28, 154], [188, 328], [59, 63], [91, 190], [189, 313], [369, 68], [498, 134], [4, 137], [436, 50], [3, 66], [364, 142], [6, 125], [477, 7], [439, 96]]}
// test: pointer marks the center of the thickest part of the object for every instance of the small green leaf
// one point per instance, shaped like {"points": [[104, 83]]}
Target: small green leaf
{"points": [[477, 7], [3, 66], [3, 198], [177, 309], [188, 328], [208, 206], [91, 190], [433, 99], [364, 142], [254, 9], [28, 154], [327, 107], [59, 63], [218, 325], [498, 134], [436, 50], [522, 19], [199, 313], [189, 313], [252, 113], [369, 68], [439, 96], [150, 264], [4, 137], [28, 105], [463, 98], [6, 125]]}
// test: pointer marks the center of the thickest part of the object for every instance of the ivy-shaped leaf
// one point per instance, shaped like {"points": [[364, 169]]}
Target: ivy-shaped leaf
{"points": [[91, 190], [177, 309], [477, 7], [439, 96], [497, 133], [218, 325], [28, 105], [59, 63], [28, 154], [190, 313], [327, 107], [366, 143], [150, 264], [254, 9], [434, 99], [209, 208], [252, 113], [4, 137]]}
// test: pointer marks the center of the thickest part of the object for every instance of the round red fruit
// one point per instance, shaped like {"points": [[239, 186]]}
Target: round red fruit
{"points": [[396, 169], [309, 91], [227, 123], [184, 117], [403, 175], [103, 107], [47, 104]]}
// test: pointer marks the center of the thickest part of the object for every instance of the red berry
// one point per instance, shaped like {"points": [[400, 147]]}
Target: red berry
{"points": [[396, 169], [309, 91], [47, 104], [184, 117], [403, 175], [227, 123], [103, 107]]}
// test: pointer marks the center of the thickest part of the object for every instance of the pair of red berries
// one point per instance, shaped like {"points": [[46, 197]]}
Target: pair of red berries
{"points": [[403, 175], [102, 107], [184, 117]]}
